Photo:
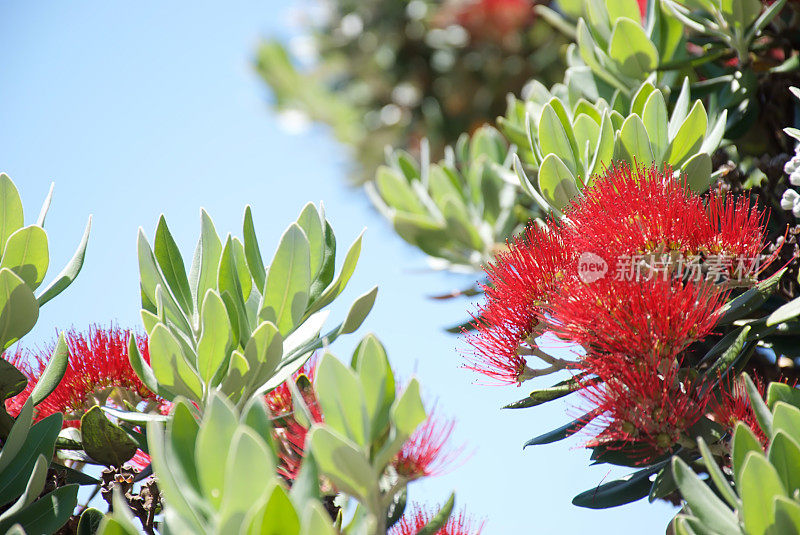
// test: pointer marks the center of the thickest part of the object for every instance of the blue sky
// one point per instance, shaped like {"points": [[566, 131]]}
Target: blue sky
{"points": [[134, 110]]}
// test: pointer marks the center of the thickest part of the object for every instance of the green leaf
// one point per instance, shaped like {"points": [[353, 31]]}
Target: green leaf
{"points": [[288, 280], [255, 263], [358, 311], [537, 397], [53, 372], [343, 462], [90, 520], [342, 400], [27, 255], [213, 443], [12, 381], [717, 476], [214, 344], [604, 151], [17, 436], [751, 300], [205, 264], [326, 271], [623, 8], [305, 487], [625, 490], [170, 366], [182, 430], [680, 110], [631, 49], [640, 98], [654, 117], [760, 409], [311, 223], [11, 215], [744, 441], [151, 281], [633, 138], [782, 392], [556, 182], [316, 520], [171, 264], [408, 412], [377, 380], [728, 357], [556, 137], [784, 454], [760, 483], [438, 522], [787, 516], [698, 172], [70, 271], [143, 370], [702, 501], [48, 513], [263, 352], [18, 308], [276, 517], [689, 138], [397, 192], [104, 441], [785, 312], [172, 480], [337, 287], [248, 472], [740, 14], [40, 440], [786, 418]]}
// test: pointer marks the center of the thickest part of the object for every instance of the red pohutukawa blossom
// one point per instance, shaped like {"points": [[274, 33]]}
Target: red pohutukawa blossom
{"points": [[634, 266], [648, 404], [733, 405], [98, 372], [290, 433], [635, 273], [425, 453], [658, 318], [521, 281], [412, 522]]}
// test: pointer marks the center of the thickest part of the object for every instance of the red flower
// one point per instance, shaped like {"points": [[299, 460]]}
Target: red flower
{"points": [[289, 432], [734, 406], [638, 211], [521, 281], [646, 405], [424, 453], [653, 319], [98, 372], [411, 523]]}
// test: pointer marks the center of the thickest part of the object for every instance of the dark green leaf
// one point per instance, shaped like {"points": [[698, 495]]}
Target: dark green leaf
{"points": [[628, 489], [48, 513], [40, 441], [563, 431], [104, 441], [745, 304], [252, 252], [12, 381], [537, 397]]}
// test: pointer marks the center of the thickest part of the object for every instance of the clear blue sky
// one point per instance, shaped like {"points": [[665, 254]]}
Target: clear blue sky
{"points": [[138, 109]]}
